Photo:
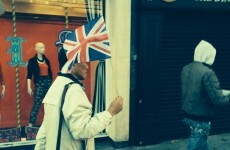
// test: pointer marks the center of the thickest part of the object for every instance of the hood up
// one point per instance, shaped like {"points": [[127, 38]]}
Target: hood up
{"points": [[205, 53]]}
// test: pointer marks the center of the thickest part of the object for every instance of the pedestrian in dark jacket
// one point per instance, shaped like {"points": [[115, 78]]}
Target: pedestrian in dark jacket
{"points": [[39, 69], [201, 92]]}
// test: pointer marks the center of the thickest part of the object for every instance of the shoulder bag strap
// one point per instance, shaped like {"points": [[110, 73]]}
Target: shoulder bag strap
{"points": [[61, 115]]}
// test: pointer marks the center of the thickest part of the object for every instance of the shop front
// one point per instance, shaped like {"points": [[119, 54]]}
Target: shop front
{"points": [[167, 33]]}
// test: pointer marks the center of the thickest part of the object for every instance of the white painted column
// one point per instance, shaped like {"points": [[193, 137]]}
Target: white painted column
{"points": [[2, 8], [118, 22]]}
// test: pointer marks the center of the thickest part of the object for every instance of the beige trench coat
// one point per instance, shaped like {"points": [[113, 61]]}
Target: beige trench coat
{"points": [[78, 125]]}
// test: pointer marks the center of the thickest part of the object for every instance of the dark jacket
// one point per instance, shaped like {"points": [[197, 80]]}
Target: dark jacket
{"points": [[201, 91], [33, 68]]}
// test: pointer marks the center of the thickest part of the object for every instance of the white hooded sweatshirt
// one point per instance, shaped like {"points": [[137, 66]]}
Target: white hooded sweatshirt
{"points": [[205, 53]]}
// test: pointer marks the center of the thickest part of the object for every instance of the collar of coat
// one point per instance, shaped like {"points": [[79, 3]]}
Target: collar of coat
{"points": [[71, 77], [207, 65]]}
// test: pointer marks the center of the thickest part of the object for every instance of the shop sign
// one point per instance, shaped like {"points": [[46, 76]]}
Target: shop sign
{"points": [[188, 4], [214, 1]]}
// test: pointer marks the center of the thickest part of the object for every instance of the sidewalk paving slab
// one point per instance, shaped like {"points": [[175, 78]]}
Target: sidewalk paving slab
{"points": [[217, 142]]}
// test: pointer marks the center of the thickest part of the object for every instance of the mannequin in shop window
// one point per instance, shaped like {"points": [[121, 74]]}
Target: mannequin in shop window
{"points": [[2, 83], [39, 69]]}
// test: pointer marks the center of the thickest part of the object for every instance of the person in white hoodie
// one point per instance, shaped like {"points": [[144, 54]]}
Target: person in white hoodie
{"points": [[201, 93], [78, 123]]}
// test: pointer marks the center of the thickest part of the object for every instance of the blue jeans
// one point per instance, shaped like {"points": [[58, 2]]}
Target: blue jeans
{"points": [[199, 132]]}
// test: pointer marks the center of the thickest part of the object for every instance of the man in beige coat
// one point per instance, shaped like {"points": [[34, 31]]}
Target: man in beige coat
{"points": [[79, 125]]}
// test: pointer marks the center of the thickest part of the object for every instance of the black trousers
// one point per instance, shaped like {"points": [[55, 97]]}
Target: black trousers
{"points": [[40, 90]]}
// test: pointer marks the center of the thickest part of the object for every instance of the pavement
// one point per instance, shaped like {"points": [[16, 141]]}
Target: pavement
{"points": [[216, 142]]}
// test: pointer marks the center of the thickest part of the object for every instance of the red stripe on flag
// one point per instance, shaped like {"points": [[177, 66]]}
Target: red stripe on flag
{"points": [[71, 54], [100, 48], [83, 53], [98, 38], [99, 28], [80, 37]]}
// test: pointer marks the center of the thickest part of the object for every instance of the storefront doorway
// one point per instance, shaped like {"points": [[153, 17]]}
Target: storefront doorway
{"points": [[166, 42]]}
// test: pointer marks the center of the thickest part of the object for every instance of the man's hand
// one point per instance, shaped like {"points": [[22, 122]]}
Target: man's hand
{"points": [[116, 106], [30, 92]]}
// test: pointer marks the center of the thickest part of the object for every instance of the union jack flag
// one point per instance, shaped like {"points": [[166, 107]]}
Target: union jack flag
{"points": [[88, 43]]}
